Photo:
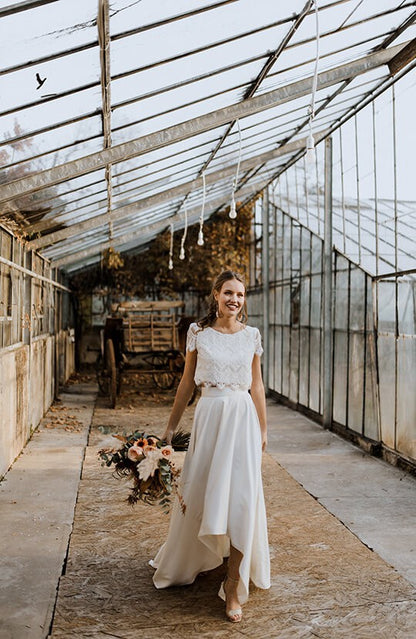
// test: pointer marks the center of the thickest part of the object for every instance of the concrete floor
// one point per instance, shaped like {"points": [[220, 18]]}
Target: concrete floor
{"points": [[37, 502], [374, 501]]}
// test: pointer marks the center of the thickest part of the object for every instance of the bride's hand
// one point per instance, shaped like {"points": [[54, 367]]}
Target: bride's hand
{"points": [[167, 437], [264, 441]]}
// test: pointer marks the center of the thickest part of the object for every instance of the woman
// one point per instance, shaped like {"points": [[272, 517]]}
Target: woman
{"points": [[222, 513]]}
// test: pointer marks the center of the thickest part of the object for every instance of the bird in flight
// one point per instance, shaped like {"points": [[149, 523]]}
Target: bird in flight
{"points": [[40, 81]]}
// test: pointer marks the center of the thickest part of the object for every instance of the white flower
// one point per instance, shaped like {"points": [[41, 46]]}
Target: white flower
{"points": [[148, 465], [166, 451]]}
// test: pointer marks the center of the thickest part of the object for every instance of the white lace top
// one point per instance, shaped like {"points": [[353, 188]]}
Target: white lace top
{"points": [[224, 359]]}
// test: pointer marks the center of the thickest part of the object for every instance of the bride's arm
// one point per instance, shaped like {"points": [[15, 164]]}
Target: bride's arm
{"points": [[183, 395], [259, 399]]}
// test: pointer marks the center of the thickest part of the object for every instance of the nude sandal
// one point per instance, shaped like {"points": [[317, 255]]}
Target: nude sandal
{"points": [[235, 616]]}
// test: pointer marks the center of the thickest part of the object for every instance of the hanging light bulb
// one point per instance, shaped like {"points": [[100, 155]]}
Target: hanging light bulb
{"points": [[170, 265], [233, 211], [200, 241], [310, 149], [185, 230]]}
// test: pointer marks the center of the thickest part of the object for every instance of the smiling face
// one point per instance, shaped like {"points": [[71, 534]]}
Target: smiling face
{"points": [[230, 299]]}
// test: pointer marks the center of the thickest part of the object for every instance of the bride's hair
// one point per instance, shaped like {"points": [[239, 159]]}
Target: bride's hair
{"points": [[211, 316]]}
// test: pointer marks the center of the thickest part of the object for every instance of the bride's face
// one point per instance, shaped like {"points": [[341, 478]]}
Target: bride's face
{"points": [[230, 299]]}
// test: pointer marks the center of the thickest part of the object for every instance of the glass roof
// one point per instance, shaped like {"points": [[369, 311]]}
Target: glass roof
{"points": [[190, 82]]}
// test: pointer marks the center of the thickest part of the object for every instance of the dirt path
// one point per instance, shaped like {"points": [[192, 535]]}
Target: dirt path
{"points": [[325, 582]]}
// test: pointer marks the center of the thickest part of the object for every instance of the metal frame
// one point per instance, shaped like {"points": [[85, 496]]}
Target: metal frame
{"points": [[141, 214]]}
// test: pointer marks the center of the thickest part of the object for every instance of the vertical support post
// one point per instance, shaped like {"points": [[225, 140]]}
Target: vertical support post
{"points": [[341, 158], [396, 268], [327, 291], [27, 301], [265, 278], [357, 176]]}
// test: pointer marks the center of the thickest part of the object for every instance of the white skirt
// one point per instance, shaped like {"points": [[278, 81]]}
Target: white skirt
{"points": [[222, 488]]}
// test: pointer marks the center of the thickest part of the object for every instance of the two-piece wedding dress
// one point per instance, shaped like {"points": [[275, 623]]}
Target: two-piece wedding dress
{"points": [[221, 481]]}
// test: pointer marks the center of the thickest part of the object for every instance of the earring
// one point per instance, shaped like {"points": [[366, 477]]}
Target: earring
{"points": [[216, 309]]}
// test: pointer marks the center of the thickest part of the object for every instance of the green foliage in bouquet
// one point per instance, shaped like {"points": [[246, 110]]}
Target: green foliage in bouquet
{"points": [[153, 466]]}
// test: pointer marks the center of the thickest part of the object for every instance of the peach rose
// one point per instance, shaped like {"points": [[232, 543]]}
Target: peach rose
{"points": [[135, 453], [166, 451]]}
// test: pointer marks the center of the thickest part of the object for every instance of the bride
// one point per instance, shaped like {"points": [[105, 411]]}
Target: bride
{"points": [[222, 511]]}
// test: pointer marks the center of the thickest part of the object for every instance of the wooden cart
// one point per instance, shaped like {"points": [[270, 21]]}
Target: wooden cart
{"points": [[141, 337]]}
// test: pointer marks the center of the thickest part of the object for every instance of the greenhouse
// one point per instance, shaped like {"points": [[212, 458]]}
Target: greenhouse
{"points": [[147, 146]]}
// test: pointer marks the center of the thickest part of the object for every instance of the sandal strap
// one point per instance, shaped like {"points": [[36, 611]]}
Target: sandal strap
{"points": [[236, 581]]}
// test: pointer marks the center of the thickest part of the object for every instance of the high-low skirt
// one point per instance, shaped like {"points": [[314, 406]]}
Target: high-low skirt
{"points": [[222, 489]]}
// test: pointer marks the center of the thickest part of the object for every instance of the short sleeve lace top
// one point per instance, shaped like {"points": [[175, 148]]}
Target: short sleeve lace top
{"points": [[224, 359]]}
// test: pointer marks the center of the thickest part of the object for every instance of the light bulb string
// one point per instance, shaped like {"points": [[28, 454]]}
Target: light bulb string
{"points": [[171, 248], [235, 182], [185, 230], [201, 220], [233, 211], [201, 217], [311, 108]]}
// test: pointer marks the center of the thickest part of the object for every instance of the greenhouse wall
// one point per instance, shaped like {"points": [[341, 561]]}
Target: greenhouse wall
{"points": [[374, 352], [36, 344]]}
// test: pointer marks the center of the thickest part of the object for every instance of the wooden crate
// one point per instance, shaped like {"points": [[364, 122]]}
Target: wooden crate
{"points": [[150, 326]]}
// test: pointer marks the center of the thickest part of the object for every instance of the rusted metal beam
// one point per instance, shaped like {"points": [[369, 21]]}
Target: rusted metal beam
{"points": [[403, 58]]}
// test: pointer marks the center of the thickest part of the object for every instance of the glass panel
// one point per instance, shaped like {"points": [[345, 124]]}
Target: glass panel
{"points": [[305, 300], [278, 305], [406, 397], [46, 30], [286, 305], [341, 294], [294, 365], [386, 358], [340, 377], [386, 307], [278, 360], [371, 428], [406, 309], [316, 290], [304, 367], [315, 369], [355, 383], [285, 361], [357, 299]]}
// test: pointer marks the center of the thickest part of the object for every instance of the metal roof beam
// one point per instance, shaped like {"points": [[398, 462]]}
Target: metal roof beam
{"points": [[402, 59], [201, 124], [168, 194]]}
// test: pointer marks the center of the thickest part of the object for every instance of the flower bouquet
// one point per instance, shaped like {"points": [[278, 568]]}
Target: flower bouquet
{"points": [[153, 466]]}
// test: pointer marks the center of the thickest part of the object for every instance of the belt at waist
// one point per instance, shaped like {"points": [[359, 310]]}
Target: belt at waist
{"points": [[215, 391]]}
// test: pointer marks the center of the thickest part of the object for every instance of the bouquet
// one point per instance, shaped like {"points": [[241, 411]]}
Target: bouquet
{"points": [[153, 466]]}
